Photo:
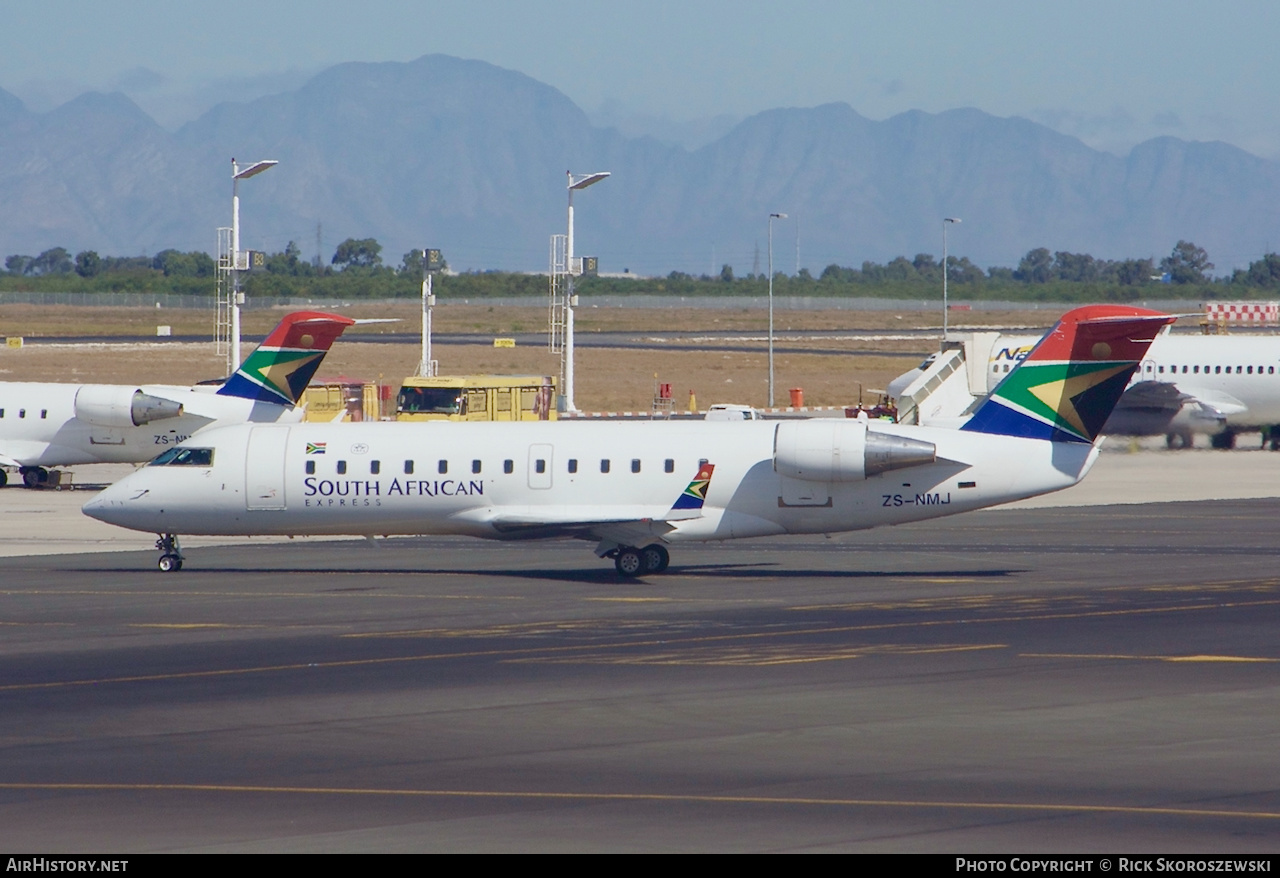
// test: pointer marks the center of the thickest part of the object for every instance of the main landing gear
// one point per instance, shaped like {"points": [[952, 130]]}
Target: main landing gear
{"points": [[632, 562], [34, 476], [170, 553]]}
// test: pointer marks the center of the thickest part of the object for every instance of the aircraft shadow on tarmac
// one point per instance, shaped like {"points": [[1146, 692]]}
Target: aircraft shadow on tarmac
{"points": [[588, 576]]}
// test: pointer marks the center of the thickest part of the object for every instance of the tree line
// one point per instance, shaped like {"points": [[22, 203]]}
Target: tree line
{"points": [[357, 270]]}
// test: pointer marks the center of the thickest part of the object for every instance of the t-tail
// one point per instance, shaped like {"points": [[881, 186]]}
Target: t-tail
{"points": [[1066, 388], [280, 368]]}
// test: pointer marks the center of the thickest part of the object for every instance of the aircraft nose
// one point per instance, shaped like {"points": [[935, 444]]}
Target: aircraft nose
{"points": [[112, 505]]}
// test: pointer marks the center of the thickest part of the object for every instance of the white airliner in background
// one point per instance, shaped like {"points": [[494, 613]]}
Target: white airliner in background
{"points": [[1215, 384], [45, 424], [1212, 384], [634, 487]]}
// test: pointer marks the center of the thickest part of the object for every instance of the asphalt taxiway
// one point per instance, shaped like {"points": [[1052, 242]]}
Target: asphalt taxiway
{"points": [[1079, 678]]}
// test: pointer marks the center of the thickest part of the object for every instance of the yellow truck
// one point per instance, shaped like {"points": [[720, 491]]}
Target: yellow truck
{"points": [[477, 398]]}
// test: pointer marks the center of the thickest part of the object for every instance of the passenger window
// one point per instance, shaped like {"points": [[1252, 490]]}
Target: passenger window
{"points": [[408, 467], [540, 466], [669, 465], [342, 467], [1161, 370], [442, 467], [375, 467], [604, 466], [22, 413], [1250, 372], [508, 467], [311, 467], [44, 413], [573, 465], [635, 465], [475, 466], [1197, 370]]}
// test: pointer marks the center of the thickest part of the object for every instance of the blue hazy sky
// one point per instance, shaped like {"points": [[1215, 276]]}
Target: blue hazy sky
{"points": [[1110, 73]]}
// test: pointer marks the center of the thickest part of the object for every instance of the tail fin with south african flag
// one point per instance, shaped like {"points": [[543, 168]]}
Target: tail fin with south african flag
{"points": [[280, 368], [1066, 388]]}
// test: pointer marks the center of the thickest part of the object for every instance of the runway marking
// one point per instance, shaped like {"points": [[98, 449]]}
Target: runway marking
{"points": [[632, 600], [687, 798], [1153, 658], [183, 626], [664, 642], [741, 657]]}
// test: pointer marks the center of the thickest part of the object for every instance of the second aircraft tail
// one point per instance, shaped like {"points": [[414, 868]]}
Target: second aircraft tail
{"points": [[280, 368]]}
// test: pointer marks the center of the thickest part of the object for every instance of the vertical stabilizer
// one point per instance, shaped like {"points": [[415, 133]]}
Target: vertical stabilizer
{"points": [[280, 368], [1066, 388]]}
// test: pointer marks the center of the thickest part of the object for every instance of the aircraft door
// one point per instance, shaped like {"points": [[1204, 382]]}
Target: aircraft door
{"points": [[264, 468], [1147, 371], [540, 460]]}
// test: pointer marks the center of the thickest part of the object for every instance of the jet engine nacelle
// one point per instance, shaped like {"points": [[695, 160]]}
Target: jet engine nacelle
{"points": [[111, 405], [830, 450]]}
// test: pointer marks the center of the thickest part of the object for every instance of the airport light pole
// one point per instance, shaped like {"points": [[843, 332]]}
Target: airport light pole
{"points": [[576, 181], [238, 174], [945, 222], [772, 217]]}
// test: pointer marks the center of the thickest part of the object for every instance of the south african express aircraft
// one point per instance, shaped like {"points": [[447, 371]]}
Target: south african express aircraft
{"points": [[633, 488], [44, 425]]}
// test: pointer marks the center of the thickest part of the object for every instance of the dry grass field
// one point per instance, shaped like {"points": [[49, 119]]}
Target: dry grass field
{"points": [[608, 379]]}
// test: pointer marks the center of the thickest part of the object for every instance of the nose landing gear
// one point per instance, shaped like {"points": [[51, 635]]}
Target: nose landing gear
{"points": [[170, 553]]}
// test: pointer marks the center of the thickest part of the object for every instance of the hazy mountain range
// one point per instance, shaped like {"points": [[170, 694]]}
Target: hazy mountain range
{"points": [[471, 158]]}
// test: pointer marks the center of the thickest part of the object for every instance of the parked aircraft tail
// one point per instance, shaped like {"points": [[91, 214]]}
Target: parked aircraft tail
{"points": [[280, 368], [1065, 389]]}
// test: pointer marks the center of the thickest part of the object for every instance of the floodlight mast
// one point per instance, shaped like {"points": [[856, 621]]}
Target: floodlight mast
{"points": [[576, 181], [238, 174], [772, 217], [945, 222]]}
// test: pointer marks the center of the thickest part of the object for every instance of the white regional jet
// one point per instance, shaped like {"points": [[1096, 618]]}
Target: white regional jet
{"points": [[44, 425], [627, 486], [1215, 384]]}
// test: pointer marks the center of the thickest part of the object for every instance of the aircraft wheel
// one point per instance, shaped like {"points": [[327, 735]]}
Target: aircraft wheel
{"points": [[4, 478], [655, 557], [628, 562], [170, 563], [35, 476], [1225, 439]]}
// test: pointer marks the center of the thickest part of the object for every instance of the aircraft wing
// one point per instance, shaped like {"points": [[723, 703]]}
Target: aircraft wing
{"points": [[1221, 402], [1150, 408], [622, 525], [6, 460], [612, 525]]}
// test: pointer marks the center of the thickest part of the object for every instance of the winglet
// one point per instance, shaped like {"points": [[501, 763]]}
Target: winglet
{"points": [[1066, 388], [280, 368], [693, 496]]}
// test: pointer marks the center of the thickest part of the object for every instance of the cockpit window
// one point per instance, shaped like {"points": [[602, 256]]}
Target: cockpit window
{"points": [[185, 457]]}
